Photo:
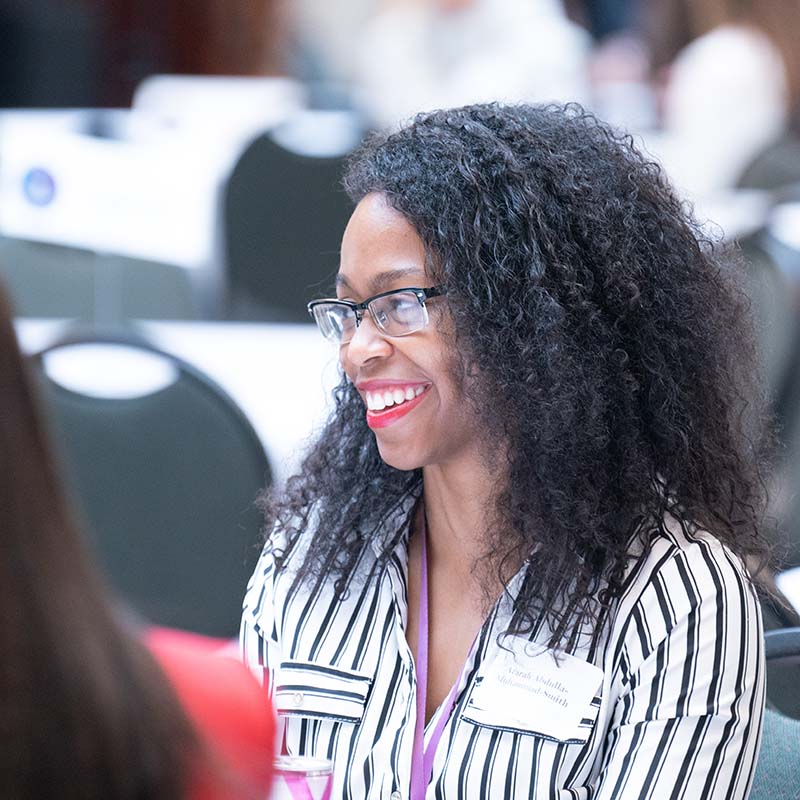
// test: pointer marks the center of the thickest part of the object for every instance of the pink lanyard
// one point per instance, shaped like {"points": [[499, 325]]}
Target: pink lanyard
{"points": [[422, 757]]}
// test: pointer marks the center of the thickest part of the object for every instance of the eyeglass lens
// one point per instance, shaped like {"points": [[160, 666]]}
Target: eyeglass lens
{"points": [[395, 314]]}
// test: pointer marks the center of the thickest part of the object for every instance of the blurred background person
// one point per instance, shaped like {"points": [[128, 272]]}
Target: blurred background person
{"points": [[415, 55], [95, 52], [50, 54], [326, 36], [85, 710], [728, 78], [603, 18], [618, 67]]}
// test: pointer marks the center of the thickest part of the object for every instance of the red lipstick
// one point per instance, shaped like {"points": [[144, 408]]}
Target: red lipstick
{"points": [[380, 419]]}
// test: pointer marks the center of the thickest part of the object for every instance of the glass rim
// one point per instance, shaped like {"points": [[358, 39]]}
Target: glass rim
{"points": [[307, 765], [421, 293]]}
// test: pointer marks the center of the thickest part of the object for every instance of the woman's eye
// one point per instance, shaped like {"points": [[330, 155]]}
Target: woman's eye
{"points": [[403, 307]]}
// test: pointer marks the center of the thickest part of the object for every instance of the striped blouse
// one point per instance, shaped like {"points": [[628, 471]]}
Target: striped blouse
{"points": [[668, 704]]}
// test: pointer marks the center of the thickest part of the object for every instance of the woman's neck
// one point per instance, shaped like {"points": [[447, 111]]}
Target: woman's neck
{"points": [[456, 499]]}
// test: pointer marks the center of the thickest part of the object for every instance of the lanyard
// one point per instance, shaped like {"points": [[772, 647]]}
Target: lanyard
{"points": [[422, 757]]}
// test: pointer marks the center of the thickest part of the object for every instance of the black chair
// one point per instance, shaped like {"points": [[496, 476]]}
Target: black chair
{"points": [[777, 775], [783, 671], [774, 295], [166, 482], [774, 288], [284, 213]]}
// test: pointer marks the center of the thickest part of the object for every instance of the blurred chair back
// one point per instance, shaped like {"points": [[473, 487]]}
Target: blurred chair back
{"points": [[284, 215], [783, 672], [778, 245], [772, 289], [777, 775], [49, 280], [776, 167], [165, 468]]}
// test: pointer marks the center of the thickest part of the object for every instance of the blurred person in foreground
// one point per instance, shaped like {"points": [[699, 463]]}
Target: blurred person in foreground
{"points": [[87, 710], [513, 564], [424, 54]]}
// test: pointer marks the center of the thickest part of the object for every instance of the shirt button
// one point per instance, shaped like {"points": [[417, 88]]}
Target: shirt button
{"points": [[297, 699], [396, 796]]}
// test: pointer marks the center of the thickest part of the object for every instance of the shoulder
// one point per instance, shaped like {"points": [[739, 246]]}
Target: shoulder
{"points": [[270, 575], [215, 688], [276, 599], [282, 595], [684, 581], [280, 562], [695, 555], [222, 699]]}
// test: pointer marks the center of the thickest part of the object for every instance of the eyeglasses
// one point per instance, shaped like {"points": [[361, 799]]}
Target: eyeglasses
{"points": [[395, 313]]}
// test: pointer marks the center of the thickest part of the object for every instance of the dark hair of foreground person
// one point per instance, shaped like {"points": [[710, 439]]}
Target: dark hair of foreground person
{"points": [[84, 710]]}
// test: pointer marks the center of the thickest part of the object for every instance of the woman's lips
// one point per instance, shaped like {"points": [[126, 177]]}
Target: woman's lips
{"points": [[380, 419]]}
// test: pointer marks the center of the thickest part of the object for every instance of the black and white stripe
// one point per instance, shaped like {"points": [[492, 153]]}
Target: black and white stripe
{"points": [[678, 714]]}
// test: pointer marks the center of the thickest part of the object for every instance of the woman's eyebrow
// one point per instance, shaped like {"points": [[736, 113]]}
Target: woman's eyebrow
{"points": [[383, 280]]}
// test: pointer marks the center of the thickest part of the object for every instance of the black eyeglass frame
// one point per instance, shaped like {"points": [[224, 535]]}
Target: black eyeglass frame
{"points": [[359, 308]]}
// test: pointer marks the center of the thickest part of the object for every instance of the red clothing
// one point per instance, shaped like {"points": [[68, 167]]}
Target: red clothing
{"points": [[229, 710]]}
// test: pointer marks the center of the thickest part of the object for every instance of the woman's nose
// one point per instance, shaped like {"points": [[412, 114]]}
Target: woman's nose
{"points": [[367, 343]]}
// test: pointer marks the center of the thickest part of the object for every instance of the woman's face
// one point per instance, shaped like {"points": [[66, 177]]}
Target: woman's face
{"points": [[428, 421]]}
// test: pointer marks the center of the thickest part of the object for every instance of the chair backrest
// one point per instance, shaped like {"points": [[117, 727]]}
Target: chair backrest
{"points": [[776, 167], [283, 218], [165, 478], [771, 288], [774, 266], [783, 671], [777, 775], [48, 280]]}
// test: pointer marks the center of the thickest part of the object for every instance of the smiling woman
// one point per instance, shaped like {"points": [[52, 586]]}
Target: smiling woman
{"points": [[513, 563]]}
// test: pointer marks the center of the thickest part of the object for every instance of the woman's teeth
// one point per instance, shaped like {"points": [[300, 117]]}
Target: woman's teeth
{"points": [[377, 401]]}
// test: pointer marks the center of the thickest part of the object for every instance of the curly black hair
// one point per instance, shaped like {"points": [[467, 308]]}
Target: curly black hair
{"points": [[615, 354]]}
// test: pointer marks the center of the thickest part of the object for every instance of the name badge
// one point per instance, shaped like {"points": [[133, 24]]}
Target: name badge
{"points": [[525, 687]]}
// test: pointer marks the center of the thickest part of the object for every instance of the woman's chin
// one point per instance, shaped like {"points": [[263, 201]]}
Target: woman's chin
{"points": [[399, 458]]}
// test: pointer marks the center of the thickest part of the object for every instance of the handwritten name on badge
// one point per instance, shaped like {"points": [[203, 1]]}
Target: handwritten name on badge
{"points": [[530, 690]]}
